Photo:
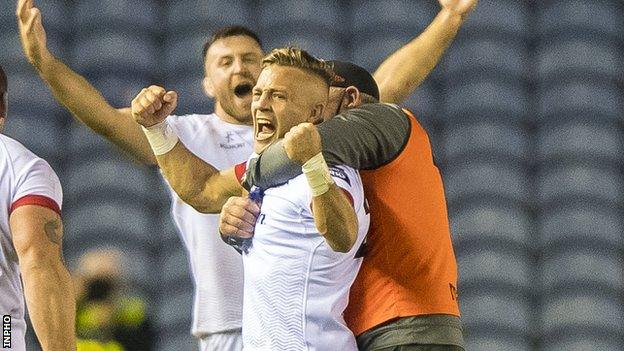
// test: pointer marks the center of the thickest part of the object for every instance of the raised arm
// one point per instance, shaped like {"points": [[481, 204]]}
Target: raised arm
{"points": [[75, 93], [404, 70], [196, 182], [37, 235]]}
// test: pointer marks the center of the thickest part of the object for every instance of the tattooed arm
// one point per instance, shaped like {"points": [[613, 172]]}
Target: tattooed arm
{"points": [[37, 236]]}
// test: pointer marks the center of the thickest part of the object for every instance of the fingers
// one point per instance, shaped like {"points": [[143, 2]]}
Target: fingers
{"points": [[27, 13], [230, 230], [149, 101], [22, 9], [242, 226], [170, 97], [238, 217], [245, 214]]}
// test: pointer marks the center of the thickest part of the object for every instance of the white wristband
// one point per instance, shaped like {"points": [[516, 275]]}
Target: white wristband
{"points": [[317, 173], [161, 136]]}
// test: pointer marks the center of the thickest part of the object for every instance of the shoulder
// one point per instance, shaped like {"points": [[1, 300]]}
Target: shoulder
{"points": [[17, 154], [190, 119], [191, 125], [377, 110]]}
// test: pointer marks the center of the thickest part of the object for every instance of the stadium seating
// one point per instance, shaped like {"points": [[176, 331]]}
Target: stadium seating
{"points": [[110, 51], [504, 18], [579, 100], [193, 15], [489, 223], [485, 140], [115, 221], [127, 15], [600, 18], [487, 56], [578, 224], [583, 341], [584, 141], [494, 266], [473, 179], [559, 185], [486, 99], [578, 57], [324, 46], [183, 53], [41, 134], [84, 143], [576, 310], [495, 342], [174, 308], [176, 266], [191, 96], [120, 89], [496, 311], [29, 96], [313, 16], [589, 268], [394, 16], [423, 103], [115, 179]]}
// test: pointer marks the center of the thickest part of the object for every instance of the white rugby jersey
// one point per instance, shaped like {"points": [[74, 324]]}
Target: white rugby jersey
{"points": [[217, 269], [25, 179], [296, 286]]}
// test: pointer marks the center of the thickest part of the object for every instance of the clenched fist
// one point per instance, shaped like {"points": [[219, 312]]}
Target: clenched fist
{"points": [[302, 142], [153, 105], [238, 217]]}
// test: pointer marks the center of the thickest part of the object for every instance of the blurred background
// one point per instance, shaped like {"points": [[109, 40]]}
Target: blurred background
{"points": [[524, 113]]}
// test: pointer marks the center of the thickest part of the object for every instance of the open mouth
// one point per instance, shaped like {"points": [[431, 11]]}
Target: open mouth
{"points": [[265, 130], [243, 90]]}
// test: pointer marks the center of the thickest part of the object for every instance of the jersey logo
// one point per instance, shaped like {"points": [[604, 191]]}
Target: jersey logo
{"points": [[453, 291], [339, 173], [229, 142]]}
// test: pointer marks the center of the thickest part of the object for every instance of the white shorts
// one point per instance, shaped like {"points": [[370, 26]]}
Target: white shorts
{"points": [[225, 341]]}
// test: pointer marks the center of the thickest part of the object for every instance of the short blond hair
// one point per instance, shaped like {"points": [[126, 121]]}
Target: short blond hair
{"points": [[299, 58]]}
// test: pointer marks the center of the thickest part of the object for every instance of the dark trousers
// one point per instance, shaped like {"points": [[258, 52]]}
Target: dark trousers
{"points": [[423, 333]]}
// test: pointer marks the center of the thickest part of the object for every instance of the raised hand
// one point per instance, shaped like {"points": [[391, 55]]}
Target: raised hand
{"points": [[32, 33], [302, 142], [459, 7], [153, 105]]}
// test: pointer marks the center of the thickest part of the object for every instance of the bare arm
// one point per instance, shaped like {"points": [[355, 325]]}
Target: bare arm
{"points": [[37, 235], [196, 182], [334, 215], [75, 93], [335, 219], [396, 78]]}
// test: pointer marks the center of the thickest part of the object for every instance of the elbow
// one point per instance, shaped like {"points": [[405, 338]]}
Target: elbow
{"points": [[203, 203], [33, 260]]}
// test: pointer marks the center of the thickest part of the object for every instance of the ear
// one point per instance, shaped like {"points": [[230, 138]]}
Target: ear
{"points": [[353, 96], [208, 87], [316, 115]]}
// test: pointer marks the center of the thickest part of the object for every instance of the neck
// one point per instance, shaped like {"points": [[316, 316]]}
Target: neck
{"points": [[226, 117]]}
